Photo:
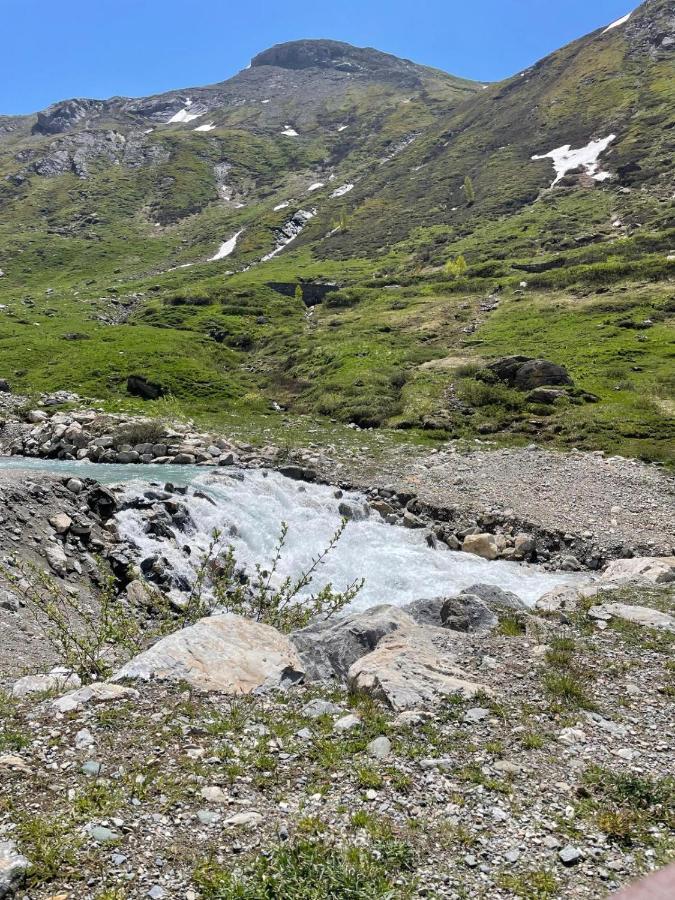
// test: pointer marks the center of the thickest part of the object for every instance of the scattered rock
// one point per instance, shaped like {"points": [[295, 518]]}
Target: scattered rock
{"points": [[484, 545], [13, 867]]}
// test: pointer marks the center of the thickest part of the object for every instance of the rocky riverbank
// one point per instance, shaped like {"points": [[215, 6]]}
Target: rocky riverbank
{"points": [[569, 511]]}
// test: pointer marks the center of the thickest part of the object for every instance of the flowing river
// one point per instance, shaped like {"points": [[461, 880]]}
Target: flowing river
{"points": [[248, 506]]}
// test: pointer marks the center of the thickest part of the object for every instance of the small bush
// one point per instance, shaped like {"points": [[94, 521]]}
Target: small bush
{"points": [[477, 393], [567, 688]]}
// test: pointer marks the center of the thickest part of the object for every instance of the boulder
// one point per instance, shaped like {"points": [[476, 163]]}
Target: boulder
{"points": [[411, 668], [138, 386], [426, 612], [60, 523], [563, 598], [484, 545], [657, 570], [224, 653], [526, 374], [467, 613], [57, 559], [12, 868], [9, 601], [496, 597], [4, 387], [57, 680], [637, 615], [329, 648]]}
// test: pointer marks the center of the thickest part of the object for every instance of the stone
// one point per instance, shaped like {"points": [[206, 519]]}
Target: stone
{"points": [[9, 601], [183, 459], [156, 892], [657, 570], [36, 416], [526, 374], [92, 768], [379, 748], [10, 761], [475, 715], [347, 723], [13, 868], [524, 546], [214, 795], [57, 680], [426, 612], [316, 708], [495, 597], [412, 668], [83, 739], [74, 485], [57, 559], [637, 615], [329, 648], [569, 855], [468, 614], [103, 835], [4, 386], [61, 523], [248, 819], [483, 545], [559, 599], [224, 653], [99, 692]]}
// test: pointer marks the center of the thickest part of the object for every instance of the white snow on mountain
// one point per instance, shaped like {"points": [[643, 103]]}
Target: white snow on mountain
{"points": [[208, 127], [618, 22], [341, 191], [226, 248], [565, 159]]}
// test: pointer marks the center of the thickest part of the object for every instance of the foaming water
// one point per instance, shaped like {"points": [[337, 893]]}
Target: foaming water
{"points": [[249, 506]]}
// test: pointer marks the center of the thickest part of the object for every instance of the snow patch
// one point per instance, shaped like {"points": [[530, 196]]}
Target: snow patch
{"points": [[184, 115], [618, 22], [315, 186], [341, 191], [342, 127], [227, 247], [565, 159], [208, 127], [290, 132], [281, 205], [265, 101]]}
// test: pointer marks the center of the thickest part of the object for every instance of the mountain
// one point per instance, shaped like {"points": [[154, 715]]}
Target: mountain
{"points": [[430, 224]]}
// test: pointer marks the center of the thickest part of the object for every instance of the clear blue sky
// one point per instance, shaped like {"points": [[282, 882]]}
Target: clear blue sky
{"points": [[97, 48]]}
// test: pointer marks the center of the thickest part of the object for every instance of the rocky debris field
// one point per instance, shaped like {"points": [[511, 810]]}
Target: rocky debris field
{"points": [[394, 753]]}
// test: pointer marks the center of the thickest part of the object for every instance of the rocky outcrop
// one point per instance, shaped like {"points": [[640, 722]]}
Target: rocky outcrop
{"points": [[67, 114], [328, 649], [223, 653], [413, 667]]}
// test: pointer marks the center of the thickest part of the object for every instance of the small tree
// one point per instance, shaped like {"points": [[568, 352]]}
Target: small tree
{"points": [[469, 192], [456, 267], [298, 293]]}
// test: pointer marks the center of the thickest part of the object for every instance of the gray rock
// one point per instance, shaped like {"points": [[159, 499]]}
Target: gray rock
{"points": [[9, 601], [12, 868], [103, 835], [92, 768], [347, 723], [569, 855], [57, 680], [316, 708], [426, 612], [467, 613], [379, 748], [476, 714], [74, 485], [327, 649], [495, 597]]}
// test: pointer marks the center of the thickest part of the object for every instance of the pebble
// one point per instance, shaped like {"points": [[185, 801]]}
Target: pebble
{"points": [[569, 855]]}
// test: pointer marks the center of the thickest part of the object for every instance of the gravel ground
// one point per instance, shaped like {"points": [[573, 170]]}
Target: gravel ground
{"points": [[534, 792], [611, 500]]}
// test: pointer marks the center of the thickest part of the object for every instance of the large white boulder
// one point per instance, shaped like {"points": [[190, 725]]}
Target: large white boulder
{"points": [[484, 545], [655, 569], [412, 667], [220, 653]]}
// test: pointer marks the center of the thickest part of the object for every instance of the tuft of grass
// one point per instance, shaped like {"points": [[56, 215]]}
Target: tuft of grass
{"points": [[51, 845], [533, 885], [313, 870], [567, 689]]}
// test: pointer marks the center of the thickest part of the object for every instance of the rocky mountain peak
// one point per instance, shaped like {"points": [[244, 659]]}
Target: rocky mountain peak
{"points": [[325, 54]]}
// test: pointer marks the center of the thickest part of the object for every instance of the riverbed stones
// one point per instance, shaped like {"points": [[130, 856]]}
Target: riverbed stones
{"points": [[329, 648], [225, 653], [483, 545], [13, 867], [411, 668]]}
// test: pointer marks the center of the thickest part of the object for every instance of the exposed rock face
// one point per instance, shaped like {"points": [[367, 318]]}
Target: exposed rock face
{"points": [[220, 653], [412, 668], [328, 649], [525, 373], [65, 115], [657, 570]]}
